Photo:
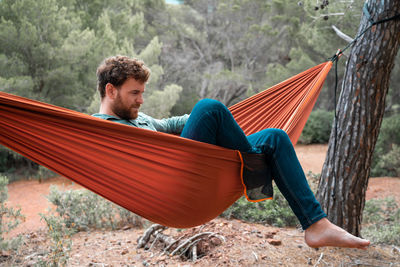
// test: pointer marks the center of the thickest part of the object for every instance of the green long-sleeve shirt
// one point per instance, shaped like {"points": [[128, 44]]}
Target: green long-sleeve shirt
{"points": [[172, 125]]}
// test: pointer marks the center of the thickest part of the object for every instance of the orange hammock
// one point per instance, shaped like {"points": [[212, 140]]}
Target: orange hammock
{"points": [[167, 179]]}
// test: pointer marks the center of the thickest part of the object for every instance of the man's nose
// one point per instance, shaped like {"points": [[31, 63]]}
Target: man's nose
{"points": [[140, 99]]}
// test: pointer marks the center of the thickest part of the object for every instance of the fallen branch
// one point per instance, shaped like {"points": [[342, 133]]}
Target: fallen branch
{"points": [[189, 247], [255, 255], [155, 240], [342, 34], [198, 236], [319, 260], [171, 244], [143, 240], [194, 253]]}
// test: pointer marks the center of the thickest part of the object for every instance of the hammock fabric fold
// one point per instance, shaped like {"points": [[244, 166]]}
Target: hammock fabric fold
{"points": [[165, 178]]}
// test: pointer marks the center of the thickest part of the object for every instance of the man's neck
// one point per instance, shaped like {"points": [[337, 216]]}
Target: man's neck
{"points": [[104, 109]]}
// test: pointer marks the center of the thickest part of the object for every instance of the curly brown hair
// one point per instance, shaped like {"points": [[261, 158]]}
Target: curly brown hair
{"points": [[116, 70]]}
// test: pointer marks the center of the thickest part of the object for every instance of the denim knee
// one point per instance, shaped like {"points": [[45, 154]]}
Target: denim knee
{"points": [[279, 133], [271, 137], [280, 137], [210, 104]]}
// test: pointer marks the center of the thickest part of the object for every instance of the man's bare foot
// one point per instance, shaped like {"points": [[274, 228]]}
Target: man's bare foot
{"points": [[324, 233]]}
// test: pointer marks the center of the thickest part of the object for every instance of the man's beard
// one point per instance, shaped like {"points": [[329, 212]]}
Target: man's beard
{"points": [[123, 111]]}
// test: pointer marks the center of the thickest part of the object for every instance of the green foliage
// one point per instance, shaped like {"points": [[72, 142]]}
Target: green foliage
{"points": [[381, 220], [227, 50], [389, 164], [318, 128], [94, 106], [161, 102], [386, 157], [9, 160], [82, 210], [158, 102], [49, 51], [274, 212], [10, 218], [213, 52], [43, 173], [60, 236], [3, 159], [315, 41], [299, 61], [44, 52], [16, 166], [79, 210]]}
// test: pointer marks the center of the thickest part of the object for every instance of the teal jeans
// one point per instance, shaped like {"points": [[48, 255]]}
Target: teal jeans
{"points": [[211, 122]]}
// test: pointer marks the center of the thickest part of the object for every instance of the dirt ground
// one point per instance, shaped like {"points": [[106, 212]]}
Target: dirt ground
{"points": [[244, 244]]}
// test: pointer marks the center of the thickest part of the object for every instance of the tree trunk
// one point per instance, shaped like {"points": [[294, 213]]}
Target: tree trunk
{"points": [[360, 109]]}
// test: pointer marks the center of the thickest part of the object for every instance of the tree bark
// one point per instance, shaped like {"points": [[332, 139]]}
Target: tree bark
{"points": [[360, 110]]}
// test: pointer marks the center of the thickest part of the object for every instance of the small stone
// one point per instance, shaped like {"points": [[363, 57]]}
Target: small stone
{"points": [[269, 235], [163, 258], [218, 255], [5, 253], [216, 241], [126, 227], [32, 235], [274, 242], [125, 251]]}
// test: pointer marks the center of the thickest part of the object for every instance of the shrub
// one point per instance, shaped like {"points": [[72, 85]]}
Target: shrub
{"points": [[43, 174], [60, 238], [83, 210], [15, 166], [9, 219], [274, 212], [389, 164], [381, 221], [386, 159], [318, 128], [3, 159]]}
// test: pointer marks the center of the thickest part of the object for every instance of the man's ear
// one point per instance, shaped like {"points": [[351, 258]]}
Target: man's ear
{"points": [[111, 91]]}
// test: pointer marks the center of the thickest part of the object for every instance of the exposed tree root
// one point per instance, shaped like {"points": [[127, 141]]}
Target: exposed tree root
{"points": [[188, 247]]}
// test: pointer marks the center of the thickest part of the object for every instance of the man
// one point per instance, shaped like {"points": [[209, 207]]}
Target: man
{"points": [[121, 84]]}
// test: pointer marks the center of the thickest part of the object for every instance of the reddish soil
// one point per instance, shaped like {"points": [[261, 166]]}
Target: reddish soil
{"points": [[246, 244]]}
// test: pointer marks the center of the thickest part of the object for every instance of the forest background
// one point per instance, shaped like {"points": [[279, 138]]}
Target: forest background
{"points": [[226, 50]]}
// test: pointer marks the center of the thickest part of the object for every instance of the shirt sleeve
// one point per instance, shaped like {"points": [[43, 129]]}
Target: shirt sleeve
{"points": [[172, 125]]}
